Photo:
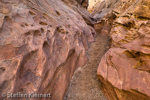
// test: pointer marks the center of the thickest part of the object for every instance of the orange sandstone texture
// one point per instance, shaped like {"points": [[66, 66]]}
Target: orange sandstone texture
{"points": [[125, 69], [42, 43]]}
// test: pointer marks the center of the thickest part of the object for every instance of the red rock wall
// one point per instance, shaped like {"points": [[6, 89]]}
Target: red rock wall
{"points": [[42, 43], [125, 69]]}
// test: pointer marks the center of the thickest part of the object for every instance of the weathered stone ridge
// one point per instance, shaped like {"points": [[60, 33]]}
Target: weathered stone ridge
{"points": [[42, 43], [125, 69]]}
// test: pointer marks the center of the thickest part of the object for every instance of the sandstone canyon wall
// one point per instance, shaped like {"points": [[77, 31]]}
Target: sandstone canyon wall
{"points": [[42, 43], [125, 69], [93, 4]]}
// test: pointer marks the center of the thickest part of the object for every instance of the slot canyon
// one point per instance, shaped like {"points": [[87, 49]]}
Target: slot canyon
{"points": [[74, 50]]}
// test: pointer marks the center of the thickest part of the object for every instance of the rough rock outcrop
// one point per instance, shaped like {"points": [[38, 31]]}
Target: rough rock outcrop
{"points": [[83, 3], [77, 6], [125, 69], [98, 6], [42, 43], [93, 4]]}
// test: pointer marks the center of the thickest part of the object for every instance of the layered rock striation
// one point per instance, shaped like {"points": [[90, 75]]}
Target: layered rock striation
{"points": [[42, 43]]}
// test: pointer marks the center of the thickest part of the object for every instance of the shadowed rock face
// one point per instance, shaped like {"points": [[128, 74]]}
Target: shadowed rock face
{"points": [[125, 69], [83, 3], [42, 43]]}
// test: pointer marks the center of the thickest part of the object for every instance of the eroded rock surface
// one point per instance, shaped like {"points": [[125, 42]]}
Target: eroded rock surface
{"points": [[92, 4], [83, 3], [42, 43], [125, 69]]}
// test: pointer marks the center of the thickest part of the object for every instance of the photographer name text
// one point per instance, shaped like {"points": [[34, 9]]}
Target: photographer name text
{"points": [[23, 95]]}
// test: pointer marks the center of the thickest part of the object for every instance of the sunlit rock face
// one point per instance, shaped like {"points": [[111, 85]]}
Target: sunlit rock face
{"points": [[93, 4], [96, 6], [125, 69], [42, 43]]}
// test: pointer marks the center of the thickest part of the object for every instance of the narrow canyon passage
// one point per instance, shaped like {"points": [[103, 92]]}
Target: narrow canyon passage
{"points": [[49, 50], [85, 84]]}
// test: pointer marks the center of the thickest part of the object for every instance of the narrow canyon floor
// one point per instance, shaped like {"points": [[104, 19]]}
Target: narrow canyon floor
{"points": [[85, 84]]}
